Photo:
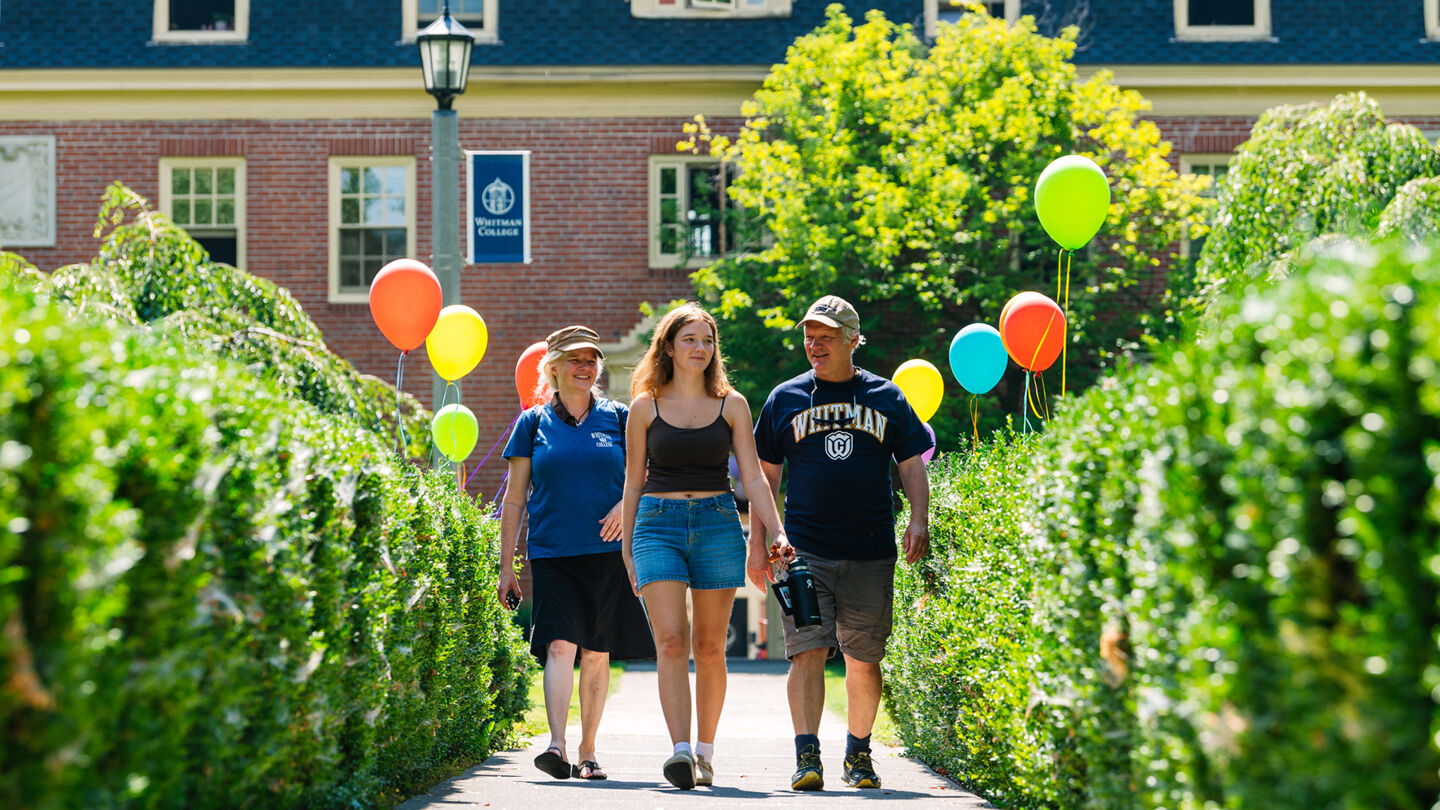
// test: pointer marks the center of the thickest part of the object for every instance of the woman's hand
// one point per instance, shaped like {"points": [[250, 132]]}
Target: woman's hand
{"points": [[630, 570], [508, 588], [610, 524]]}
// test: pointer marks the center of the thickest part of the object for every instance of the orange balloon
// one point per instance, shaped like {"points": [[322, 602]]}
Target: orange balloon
{"points": [[405, 301], [1032, 327], [527, 376]]}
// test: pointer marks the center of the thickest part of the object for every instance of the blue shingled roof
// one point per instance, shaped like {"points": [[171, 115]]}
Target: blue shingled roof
{"points": [[367, 33]]}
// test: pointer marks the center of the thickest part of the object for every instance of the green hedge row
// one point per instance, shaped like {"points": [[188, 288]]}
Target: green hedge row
{"points": [[213, 594], [1215, 581]]}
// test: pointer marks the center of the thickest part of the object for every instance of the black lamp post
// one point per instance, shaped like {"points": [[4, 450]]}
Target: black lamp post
{"points": [[445, 59]]}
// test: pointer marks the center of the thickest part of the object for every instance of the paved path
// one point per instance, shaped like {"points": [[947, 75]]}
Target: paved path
{"points": [[754, 750]]}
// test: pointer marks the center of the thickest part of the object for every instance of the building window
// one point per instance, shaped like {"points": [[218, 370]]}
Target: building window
{"points": [[372, 221], [201, 21], [1216, 167], [1222, 20], [206, 197], [480, 17], [709, 9], [949, 11], [693, 221], [1432, 19]]}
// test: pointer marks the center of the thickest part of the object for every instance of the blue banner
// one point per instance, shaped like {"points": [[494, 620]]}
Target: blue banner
{"points": [[499, 210]]}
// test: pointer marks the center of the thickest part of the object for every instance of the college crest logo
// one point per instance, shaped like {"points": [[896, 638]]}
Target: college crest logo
{"points": [[839, 444], [498, 197]]}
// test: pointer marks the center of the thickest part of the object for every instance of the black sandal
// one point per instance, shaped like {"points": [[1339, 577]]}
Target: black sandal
{"points": [[552, 763], [590, 769]]}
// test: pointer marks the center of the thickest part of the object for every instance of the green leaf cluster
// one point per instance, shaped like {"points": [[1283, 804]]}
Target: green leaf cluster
{"points": [[1317, 170], [900, 176], [214, 593], [1215, 581], [149, 271]]}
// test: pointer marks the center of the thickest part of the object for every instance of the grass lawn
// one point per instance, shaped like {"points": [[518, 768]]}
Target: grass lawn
{"points": [[835, 700], [534, 722]]}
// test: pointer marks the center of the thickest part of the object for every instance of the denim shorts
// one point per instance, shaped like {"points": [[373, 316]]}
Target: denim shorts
{"points": [[697, 542]]}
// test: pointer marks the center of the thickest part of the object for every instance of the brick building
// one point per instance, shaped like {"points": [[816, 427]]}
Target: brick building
{"points": [[246, 119]]}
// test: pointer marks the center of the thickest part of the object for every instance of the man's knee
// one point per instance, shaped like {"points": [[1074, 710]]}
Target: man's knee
{"points": [[560, 650]]}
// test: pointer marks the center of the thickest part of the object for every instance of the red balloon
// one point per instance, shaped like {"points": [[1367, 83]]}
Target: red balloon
{"points": [[1032, 327], [527, 376], [405, 301]]}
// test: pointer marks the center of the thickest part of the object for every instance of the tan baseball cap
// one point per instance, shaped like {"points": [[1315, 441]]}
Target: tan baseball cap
{"points": [[575, 337], [832, 310]]}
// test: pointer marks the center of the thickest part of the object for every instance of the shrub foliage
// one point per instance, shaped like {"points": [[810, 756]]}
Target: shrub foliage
{"points": [[215, 592], [1214, 581]]}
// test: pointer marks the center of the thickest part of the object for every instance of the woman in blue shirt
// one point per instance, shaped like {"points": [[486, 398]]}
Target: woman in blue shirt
{"points": [[567, 470]]}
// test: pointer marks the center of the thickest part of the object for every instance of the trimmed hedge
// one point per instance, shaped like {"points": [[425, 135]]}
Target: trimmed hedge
{"points": [[215, 594], [1228, 591]]}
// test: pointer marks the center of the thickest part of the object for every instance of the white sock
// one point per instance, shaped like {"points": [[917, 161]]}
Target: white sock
{"points": [[706, 750], [682, 746]]}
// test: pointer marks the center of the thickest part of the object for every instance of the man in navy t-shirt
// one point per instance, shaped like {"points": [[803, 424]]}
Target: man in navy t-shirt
{"points": [[837, 427]]}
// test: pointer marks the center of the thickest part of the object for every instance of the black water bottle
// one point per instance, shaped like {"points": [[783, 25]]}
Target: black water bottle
{"points": [[796, 593]]}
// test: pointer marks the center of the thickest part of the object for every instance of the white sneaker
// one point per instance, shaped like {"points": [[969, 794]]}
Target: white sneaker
{"points": [[704, 771], [680, 770]]}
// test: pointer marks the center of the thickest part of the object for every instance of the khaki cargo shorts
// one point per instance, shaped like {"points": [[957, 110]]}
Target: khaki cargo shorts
{"points": [[856, 609]]}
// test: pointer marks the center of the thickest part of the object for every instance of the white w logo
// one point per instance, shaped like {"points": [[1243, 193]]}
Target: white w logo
{"points": [[839, 444]]}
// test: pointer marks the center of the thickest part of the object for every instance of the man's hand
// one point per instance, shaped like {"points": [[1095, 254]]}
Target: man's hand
{"points": [[508, 588], [916, 541]]}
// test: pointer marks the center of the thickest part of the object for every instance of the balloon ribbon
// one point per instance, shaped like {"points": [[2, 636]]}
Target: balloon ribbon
{"points": [[503, 434], [975, 419], [1065, 308], [399, 420]]}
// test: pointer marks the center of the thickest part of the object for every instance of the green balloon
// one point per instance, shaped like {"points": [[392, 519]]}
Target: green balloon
{"points": [[455, 431], [1072, 198]]}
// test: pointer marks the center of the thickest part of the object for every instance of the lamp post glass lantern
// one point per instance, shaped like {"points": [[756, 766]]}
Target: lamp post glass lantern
{"points": [[445, 60]]}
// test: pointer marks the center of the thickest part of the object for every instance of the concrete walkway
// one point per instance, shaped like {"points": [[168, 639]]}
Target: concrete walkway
{"points": [[754, 753]]}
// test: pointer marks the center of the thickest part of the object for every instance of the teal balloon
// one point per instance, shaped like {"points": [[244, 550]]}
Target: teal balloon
{"points": [[978, 358], [455, 431], [1072, 198]]}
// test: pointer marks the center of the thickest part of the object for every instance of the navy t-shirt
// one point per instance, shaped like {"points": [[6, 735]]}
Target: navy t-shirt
{"points": [[838, 442], [577, 473]]}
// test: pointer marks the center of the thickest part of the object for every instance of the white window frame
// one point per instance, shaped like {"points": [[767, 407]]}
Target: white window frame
{"points": [[932, 16], [1432, 19], [1185, 32], [337, 162], [658, 258], [1187, 166], [239, 32], [709, 9], [483, 28], [168, 165]]}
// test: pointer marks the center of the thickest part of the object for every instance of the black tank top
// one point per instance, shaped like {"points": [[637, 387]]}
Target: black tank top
{"points": [[688, 459]]}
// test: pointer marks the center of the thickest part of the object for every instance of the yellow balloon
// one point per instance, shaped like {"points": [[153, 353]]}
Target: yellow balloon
{"points": [[457, 342], [922, 385]]}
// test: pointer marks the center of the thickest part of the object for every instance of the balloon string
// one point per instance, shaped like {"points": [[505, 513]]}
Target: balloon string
{"points": [[1035, 355], [500, 494], [1024, 413], [444, 398], [1065, 344], [1028, 398], [399, 387], [975, 419], [1042, 394], [503, 434]]}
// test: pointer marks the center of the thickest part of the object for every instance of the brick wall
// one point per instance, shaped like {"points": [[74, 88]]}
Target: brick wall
{"points": [[589, 207]]}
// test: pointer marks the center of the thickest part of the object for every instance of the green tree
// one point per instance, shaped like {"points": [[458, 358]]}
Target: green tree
{"points": [[900, 176], [1317, 170]]}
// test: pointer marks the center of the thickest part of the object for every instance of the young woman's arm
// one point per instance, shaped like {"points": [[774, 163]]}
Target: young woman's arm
{"points": [[512, 510], [636, 429], [762, 503]]}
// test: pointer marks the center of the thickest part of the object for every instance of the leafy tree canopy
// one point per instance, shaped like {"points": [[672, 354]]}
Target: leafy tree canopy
{"points": [[1318, 170], [900, 177]]}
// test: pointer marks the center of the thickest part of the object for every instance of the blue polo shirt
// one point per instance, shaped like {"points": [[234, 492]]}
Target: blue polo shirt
{"points": [[837, 441], [577, 473]]}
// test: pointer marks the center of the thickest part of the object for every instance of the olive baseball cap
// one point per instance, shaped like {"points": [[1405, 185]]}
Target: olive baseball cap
{"points": [[832, 310], [575, 337]]}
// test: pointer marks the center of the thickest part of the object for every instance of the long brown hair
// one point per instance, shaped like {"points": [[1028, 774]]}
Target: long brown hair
{"points": [[656, 368]]}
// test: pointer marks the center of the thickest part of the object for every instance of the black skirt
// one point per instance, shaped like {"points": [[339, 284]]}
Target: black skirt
{"points": [[586, 600]]}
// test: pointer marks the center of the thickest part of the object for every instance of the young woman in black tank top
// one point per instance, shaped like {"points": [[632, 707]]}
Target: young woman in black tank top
{"points": [[679, 525]]}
